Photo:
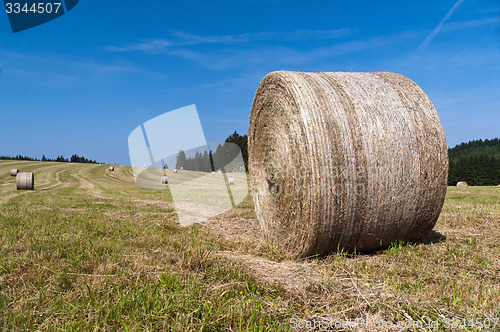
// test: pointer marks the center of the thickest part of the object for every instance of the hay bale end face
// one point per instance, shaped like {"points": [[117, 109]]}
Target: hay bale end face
{"points": [[462, 184], [25, 181], [13, 172], [164, 180], [230, 181], [351, 161], [111, 169]]}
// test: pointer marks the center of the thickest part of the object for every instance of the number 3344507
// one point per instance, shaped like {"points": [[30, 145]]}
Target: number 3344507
{"points": [[36, 8]]}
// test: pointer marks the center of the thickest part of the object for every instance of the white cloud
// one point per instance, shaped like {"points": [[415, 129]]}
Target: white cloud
{"points": [[180, 38]]}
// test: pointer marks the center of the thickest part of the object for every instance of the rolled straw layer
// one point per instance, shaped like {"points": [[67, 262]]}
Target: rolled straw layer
{"points": [[350, 161]]}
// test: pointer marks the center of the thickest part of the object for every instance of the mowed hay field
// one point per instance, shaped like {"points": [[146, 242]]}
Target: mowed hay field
{"points": [[90, 250]]}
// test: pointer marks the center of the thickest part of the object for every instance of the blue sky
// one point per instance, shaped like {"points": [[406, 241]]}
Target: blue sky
{"points": [[81, 83]]}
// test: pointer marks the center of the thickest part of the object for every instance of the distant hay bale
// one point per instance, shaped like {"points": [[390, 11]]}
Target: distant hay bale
{"points": [[181, 167], [213, 173], [230, 181], [175, 170], [111, 168], [351, 161], [164, 180], [25, 181], [14, 171], [462, 184]]}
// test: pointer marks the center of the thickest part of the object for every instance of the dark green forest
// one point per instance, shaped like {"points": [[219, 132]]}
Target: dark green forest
{"points": [[476, 162], [222, 157]]}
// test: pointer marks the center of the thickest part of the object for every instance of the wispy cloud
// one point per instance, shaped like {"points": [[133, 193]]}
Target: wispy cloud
{"points": [[472, 24], [427, 41], [54, 71], [180, 38], [230, 57]]}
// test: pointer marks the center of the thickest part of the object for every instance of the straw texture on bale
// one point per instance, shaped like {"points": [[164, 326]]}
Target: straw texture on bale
{"points": [[25, 181], [350, 161], [164, 179], [462, 184], [111, 168], [230, 181], [13, 172]]}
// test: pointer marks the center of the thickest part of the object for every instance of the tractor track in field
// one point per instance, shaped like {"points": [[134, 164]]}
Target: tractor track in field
{"points": [[90, 187], [58, 181]]}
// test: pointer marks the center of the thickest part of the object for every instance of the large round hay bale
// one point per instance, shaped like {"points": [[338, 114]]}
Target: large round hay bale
{"points": [[14, 171], [350, 161], [462, 184], [111, 169], [164, 179], [25, 181]]}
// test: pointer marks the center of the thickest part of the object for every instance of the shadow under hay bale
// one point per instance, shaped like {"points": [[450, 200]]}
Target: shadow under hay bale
{"points": [[25, 181], [351, 161], [434, 237]]}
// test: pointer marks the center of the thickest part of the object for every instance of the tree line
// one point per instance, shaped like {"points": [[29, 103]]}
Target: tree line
{"points": [[74, 159], [475, 162], [223, 157]]}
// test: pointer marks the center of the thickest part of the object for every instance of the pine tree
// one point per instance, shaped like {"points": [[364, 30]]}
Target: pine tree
{"points": [[181, 159]]}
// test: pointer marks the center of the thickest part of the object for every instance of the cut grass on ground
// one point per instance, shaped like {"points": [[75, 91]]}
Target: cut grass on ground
{"points": [[88, 249]]}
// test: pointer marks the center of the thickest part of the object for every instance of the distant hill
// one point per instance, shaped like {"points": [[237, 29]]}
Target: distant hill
{"points": [[475, 162]]}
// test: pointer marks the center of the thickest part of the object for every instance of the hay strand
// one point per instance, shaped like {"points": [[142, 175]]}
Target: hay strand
{"points": [[350, 161]]}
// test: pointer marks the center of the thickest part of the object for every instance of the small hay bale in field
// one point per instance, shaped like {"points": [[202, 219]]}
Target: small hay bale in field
{"points": [[462, 184], [25, 181], [181, 167], [14, 171], [351, 161], [213, 173], [164, 180], [175, 170], [111, 169], [230, 181]]}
